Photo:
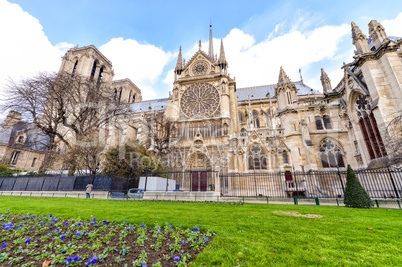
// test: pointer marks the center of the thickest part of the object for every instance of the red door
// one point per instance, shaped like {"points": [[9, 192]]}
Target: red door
{"points": [[288, 178], [194, 182], [203, 181]]}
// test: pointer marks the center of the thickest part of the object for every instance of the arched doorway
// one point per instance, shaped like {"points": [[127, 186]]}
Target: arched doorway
{"points": [[200, 169]]}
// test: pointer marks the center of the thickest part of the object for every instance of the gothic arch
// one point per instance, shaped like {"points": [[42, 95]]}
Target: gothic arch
{"points": [[257, 157], [199, 161], [331, 153]]}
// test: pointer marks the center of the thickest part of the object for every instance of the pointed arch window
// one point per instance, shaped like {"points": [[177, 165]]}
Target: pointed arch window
{"points": [[225, 129], [369, 129], [257, 159], [100, 76], [121, 91], [243, 132], [318, 123], [14, 157], [331, 154], [256, 120], [240, 116], [327, 122], [285, 157], [114, 95], [133, 99], [75, 67], [93, 70]]}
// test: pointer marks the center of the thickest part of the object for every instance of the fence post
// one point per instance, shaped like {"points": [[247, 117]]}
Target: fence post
{"points": [[376, 202], [393, 183], [267, 200], [399, 204], [340, 178], [337, 202], [317, 201], [295, 201]]}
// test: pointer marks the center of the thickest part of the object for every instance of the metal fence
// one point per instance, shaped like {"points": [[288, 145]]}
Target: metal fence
{"points": [[57, 183], [383, 183]]}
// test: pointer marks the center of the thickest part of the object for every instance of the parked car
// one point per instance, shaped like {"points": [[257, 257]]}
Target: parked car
{"points": [[135, 193]]}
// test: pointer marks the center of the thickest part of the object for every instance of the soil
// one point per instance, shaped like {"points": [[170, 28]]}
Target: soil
{"points": [[108, 238], [296, 214]]}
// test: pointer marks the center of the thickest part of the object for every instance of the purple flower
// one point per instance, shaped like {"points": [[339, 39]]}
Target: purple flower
{"points": [[78, 233], [128, 229], [177, 259], [76, 258], [4, 245], [142, 225], [84, 233], [195, 229], [50, 215], [50, 227], [94, 260], [206, 240], [62, 237], [66, 223], [79, 223], [182, 242], [20, 226], [143, 264], [94, 218], [28, 241], [63, 252]]}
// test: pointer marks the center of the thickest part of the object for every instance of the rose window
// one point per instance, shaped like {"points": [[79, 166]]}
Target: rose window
{"points": [[200, 100]]}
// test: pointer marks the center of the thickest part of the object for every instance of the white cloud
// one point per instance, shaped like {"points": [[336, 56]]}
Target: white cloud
{"points": [[25, 49], [142, 63], [393, 27], [258, 63]]}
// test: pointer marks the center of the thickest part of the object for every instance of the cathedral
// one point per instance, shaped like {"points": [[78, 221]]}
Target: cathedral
{"points": [[286, 126]]}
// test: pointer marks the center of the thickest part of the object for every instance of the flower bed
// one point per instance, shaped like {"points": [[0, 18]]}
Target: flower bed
{"points": [[49, 241]]}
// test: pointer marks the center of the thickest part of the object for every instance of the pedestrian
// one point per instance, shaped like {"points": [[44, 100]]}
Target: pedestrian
{"points": [[89, 189]]}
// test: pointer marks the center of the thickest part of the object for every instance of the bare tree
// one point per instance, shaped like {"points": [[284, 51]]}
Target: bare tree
{"points": [[159, 130], [393, 140], [62, 103]]}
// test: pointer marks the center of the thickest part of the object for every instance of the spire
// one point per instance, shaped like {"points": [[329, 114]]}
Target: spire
{"points": [[179, 65], [325, 81], [222, 58], [211, 45], [359, 40], [283, 78], [377, 33], [356, 33]]}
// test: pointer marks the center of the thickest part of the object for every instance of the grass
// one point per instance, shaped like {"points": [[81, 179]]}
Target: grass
{"points": [[252, 234]]}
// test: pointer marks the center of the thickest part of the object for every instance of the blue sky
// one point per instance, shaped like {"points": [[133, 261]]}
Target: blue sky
{"points": [[142, 38]]}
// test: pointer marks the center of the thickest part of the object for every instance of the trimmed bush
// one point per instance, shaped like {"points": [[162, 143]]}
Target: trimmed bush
{"points": [[355, 195]]}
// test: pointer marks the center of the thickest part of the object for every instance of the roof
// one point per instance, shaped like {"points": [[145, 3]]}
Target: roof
{"points": [[261, 92], [392, 38], [36, 139], [149, 105]]}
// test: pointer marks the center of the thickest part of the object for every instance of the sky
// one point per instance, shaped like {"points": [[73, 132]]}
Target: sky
{"points": [[142, 38]]}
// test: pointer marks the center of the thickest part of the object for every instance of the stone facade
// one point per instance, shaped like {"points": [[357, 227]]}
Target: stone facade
{"points": [[286, 126]]}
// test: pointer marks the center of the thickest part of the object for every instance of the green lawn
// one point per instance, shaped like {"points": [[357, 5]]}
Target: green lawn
{"points": [[252, 234]]}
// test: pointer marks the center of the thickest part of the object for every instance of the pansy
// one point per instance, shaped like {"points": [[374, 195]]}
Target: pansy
{"points": [[66, 223], [94, 218], [4, 245], [144, 264], [62, 237], [206, 240], [177, 259], [78, 233], [28, 241], [20, 226], [142, 225], [195, 229], [63, 252], [79, 223]]}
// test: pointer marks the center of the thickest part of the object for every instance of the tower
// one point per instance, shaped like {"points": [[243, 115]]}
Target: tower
{"points": [[326, 82], [285, 92]]}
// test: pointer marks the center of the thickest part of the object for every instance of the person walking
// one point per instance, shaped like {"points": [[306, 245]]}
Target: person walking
{"points": [[89, 189]]}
